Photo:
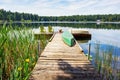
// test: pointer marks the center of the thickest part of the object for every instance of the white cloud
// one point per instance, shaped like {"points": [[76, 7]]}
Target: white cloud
{"points": [[62, 7], [5, 1]]}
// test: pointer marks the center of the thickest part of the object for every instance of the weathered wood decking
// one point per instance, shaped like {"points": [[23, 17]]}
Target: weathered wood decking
{"points": [[61, 62]]}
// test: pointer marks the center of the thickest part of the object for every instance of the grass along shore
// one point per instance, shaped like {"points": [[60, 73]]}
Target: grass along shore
{"points": [[18, 53]]}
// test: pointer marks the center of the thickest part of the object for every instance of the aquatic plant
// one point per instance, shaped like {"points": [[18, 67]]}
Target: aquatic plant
{"points": [[42, 29], [106, 63], [18, 53], [50, 29]]}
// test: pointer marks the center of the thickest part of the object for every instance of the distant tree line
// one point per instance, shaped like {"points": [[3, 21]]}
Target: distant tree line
{"points": [[16, 16]]}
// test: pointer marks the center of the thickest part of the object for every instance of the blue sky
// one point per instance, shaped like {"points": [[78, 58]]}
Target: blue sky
{"points": [[62, 7]]}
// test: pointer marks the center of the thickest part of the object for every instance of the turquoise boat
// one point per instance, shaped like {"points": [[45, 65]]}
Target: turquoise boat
{"points": [[68, 38]]}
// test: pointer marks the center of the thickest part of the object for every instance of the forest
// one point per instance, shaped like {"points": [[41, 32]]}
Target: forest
{"points": [[16, 16]]}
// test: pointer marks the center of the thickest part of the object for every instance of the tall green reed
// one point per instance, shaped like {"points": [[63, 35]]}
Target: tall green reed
{"points": [[50, 29], [42, 29], [18, 53], [106, 63]]}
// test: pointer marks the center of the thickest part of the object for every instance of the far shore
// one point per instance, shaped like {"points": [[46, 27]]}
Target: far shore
{"points": [[97, 22]]}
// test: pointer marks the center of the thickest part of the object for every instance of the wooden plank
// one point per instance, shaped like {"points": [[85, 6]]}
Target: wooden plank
{"points": [[69, 60], [83, 66], [61, 62], [88, 66], [61, 57], [82, 69]]}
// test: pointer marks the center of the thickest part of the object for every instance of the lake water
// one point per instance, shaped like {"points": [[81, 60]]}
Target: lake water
{"points": [[104, 44]]}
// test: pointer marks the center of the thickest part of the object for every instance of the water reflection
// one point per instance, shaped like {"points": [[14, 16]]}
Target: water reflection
{"points": [[73, 25], [105, 58]]}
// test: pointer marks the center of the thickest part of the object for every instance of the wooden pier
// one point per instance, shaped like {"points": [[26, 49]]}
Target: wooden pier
{"points": [[61, 62]]}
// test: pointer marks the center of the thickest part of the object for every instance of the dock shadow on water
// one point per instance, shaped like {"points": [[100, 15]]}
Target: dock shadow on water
{"points": [[76, 72]]}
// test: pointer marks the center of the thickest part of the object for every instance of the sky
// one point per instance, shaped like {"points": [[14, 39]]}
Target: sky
{"points": [[62, 7]]}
